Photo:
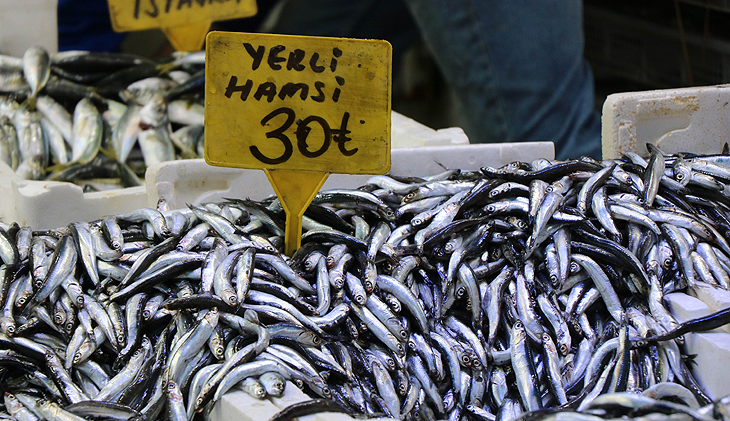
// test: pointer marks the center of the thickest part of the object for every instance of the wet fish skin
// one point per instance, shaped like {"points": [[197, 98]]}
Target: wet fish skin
{"points": [[410, 300], [36, 68]]}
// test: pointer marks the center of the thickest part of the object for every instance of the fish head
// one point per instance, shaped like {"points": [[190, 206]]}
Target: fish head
{"points": [[682, 172], [154, 112]]}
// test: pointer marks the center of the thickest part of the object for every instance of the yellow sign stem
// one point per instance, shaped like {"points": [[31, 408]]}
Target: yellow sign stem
{"points": [[295, 190], [188, 37]]}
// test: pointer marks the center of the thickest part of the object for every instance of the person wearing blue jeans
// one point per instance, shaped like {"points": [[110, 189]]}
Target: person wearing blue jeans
{"points": [[516, 66]]}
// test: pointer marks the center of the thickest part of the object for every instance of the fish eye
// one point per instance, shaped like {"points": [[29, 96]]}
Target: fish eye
{"points": [[491, 208], [549, 189], [679, 176]]}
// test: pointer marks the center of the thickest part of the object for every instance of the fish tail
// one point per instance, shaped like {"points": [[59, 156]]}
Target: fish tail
{"points": [[165, 68], [109, 153], [29, 103]]}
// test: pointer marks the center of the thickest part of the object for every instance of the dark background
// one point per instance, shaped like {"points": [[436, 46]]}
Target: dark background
{"points": [[631, 45]]}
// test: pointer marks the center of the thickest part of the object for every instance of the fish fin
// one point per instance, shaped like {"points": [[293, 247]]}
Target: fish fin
{"points": [[652, 148], [109, 153], [29, 103], [58, 167], [165, 68], [689, 359], [726, 149], [185, 151], [441, 165]]}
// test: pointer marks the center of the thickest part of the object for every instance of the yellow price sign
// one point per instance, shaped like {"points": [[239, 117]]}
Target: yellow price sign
{"points": [[298, 108], [185, 22]]}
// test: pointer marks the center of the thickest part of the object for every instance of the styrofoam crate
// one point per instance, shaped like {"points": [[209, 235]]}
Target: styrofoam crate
{"points": [[16, 36], [679, 120], [193, 181], [676, 120], [51, 204], [236, 405]]}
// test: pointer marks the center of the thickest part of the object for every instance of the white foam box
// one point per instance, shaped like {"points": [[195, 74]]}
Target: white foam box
{"points": [[679, 120], [417, 150], [236, 405], [53, 204], [676, 120], [193, 181], [712, 364], [25, 23]]}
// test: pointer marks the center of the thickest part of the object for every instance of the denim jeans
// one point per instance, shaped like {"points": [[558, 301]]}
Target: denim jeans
{"points": [[516, 66]]}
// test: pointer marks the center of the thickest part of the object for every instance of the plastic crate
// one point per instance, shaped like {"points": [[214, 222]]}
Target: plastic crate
{"points": [[677, 120]]}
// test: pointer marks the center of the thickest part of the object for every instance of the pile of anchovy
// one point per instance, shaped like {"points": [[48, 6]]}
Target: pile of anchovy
{"points": [[98, 119], [525, 291]]}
